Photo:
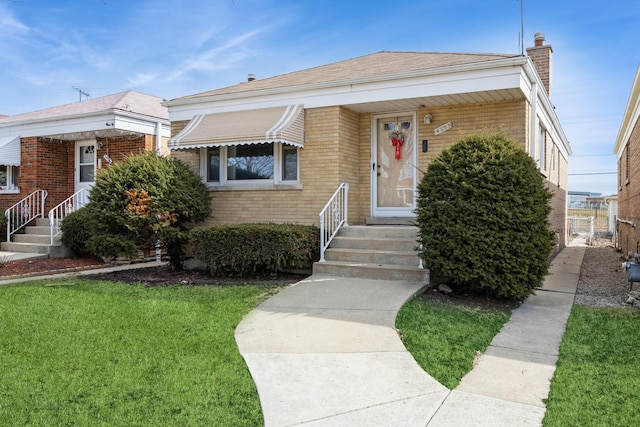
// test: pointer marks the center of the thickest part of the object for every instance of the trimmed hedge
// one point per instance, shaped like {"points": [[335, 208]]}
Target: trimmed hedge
{"points": [[256, 247]]}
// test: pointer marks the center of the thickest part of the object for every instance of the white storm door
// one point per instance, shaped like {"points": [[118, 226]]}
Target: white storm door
{"points": [[394, 171], [85, 170]]}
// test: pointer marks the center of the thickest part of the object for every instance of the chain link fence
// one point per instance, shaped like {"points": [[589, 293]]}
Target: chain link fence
{"points": [[588, 223]]}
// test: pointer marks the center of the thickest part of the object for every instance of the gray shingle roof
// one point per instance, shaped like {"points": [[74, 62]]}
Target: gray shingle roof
{"points": [[377, 64], [130, 101]]}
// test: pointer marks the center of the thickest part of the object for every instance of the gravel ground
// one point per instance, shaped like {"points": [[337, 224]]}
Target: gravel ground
{"points": [[603, 282]]}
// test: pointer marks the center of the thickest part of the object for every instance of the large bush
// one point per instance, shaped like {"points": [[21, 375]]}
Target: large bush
{"points": [[255, 247], [141, 201], [482, 213]]}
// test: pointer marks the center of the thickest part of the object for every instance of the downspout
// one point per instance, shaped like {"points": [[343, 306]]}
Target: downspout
{"points": [[159, 138], [533, 119]]}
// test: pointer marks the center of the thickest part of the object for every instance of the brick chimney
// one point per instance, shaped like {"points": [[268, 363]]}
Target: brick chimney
{"points": [[540, 54]]}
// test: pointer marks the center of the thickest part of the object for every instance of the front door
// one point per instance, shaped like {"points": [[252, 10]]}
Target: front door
{"points": [[394, 168], [85, 170]]}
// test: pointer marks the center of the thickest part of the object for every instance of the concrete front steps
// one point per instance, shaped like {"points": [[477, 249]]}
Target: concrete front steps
{"points": [[383, 252], [35, 239]]}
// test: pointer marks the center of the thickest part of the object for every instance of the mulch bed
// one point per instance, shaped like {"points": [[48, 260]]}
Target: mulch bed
{"points": [[165, 275], [39, 266], [148, 276]]}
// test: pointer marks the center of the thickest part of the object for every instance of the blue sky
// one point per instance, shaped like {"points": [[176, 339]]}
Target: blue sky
{"points": [[179, 47]]}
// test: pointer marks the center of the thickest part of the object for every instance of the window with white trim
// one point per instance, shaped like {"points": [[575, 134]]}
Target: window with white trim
{"points": [[268, 163], [8, 178], [627, 169], [542, 147]]}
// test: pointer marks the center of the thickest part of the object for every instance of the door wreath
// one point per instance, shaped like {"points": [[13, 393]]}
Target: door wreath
{"points": [[397, 140]]}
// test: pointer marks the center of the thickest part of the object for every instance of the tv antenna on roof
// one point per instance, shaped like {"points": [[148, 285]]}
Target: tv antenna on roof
{"points": [[521, 41], [81, 93]]}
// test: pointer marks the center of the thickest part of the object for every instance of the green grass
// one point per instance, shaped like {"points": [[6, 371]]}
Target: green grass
{"points": [[597, 378], [84, 352], [444, 338]]}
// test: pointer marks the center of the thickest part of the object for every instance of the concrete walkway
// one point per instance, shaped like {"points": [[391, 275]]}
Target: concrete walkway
{"points": [[325, 352]]}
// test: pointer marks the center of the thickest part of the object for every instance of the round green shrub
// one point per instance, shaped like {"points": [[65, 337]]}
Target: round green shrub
{"points": [[146, 199], [483, 218]]}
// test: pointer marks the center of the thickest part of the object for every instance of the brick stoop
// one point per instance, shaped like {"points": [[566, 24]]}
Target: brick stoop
{"points": [[384, 252], [35, 239]]}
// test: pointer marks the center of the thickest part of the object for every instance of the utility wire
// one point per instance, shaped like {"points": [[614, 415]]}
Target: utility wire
{"points": [[595, 173]]}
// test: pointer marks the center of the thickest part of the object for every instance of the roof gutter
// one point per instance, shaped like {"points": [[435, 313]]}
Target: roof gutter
{"points": [[631, 114], [114, 111], [514, 61]]}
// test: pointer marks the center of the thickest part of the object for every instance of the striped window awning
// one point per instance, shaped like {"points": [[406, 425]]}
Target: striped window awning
{"points": [[266, 125], [10, 151]]}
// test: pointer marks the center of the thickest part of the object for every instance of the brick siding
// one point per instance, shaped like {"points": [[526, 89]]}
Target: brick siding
{"points": [[338, 149], [541, 58], [629, 193], [48, 164]]}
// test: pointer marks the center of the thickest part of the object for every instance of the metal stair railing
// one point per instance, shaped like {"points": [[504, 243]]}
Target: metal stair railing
{"points": [[25, 211], [333, 216], [58, 213]]}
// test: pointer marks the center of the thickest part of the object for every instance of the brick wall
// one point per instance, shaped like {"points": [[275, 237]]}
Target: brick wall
{"points": [[540, 55], [338, 149], [48, 164], [330, 156], [629, 193], [118, 148], [45, 164], [506, 117]]}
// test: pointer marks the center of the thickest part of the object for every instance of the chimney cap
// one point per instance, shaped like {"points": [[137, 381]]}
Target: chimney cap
{"points": [[538, 39], [251, 77]]}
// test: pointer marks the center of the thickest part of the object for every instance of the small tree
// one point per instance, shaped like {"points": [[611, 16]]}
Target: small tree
{"points": [[482, 213], [144, 200]]}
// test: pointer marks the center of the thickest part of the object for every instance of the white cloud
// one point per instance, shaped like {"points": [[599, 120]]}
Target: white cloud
{"points": [[218, 58], [9, 24], [141, 79]]}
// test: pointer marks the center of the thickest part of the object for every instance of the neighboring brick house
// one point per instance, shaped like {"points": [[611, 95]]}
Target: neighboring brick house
{"points": [[59, 149], [627, 148], [276, 149]]}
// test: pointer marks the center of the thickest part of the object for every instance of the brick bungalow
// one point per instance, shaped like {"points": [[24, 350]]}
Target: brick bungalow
{"points": [[627, 148], [57, 151], [276, 149]]}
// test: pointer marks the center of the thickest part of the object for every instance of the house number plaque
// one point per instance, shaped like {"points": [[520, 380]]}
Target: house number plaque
{"points": [[441, 129]]}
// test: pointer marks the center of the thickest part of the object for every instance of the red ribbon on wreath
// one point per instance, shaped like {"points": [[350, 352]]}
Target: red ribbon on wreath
{"points": [[397, 142]]}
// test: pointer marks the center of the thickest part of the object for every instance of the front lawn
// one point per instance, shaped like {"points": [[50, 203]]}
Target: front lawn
{"points": [[444, 338], [85, 352], [597, 378]]}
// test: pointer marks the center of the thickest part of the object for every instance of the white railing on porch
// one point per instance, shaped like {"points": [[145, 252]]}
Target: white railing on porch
{"points": [[71, 204], [333, 216], [25, 211]]}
